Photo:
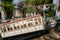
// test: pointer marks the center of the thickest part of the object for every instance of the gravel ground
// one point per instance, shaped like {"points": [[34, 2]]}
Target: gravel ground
{"points": [[53, 35]]}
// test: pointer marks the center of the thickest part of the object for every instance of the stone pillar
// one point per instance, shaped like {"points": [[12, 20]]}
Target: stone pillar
{"points": [[3, 16], [2, 12]]}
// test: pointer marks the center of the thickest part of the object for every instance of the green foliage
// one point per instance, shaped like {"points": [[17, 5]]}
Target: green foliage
{"points": [[39, 10], [38, 2], [24, 13], [35, 2], [10, 1], [51, 6], [8, 7], [29, 10], [50, 13], [32, 2], [26, 1], [47, 15], [46, 1]]}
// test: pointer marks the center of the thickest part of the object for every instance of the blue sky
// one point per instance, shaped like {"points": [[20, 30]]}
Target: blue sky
{"points": [[16, 1]]}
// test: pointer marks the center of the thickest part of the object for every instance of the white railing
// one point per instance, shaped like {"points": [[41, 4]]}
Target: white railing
{"points": [[22, 26], [22, 31]]}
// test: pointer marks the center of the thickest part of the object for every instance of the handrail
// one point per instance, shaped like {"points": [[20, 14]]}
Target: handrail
{"points": [[21, 19]]}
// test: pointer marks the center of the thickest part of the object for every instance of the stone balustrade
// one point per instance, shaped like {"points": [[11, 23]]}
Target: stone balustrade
{"points": [[21, 26]]}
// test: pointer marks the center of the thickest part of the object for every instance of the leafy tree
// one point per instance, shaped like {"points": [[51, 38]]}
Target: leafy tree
{"points": [[35, 2], [10, 1], [38, 2], [51, 11], [51, 6], [46, 1], [28, 10], [26, 1], [24, 9], [8, 8], [39, 10], [32, 2]]}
